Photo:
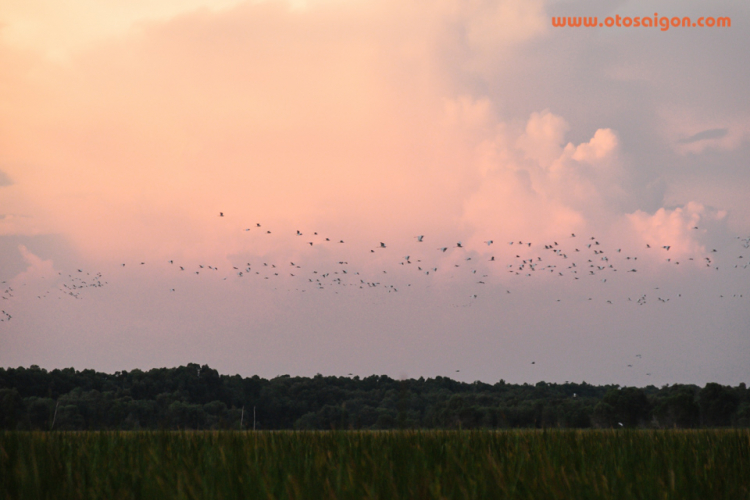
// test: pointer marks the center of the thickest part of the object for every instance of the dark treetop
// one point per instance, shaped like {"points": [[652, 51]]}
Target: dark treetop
{"points": [[198, 397]]}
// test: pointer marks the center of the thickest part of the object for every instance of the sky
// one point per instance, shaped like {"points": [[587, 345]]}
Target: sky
{"points": [[454, 188]]}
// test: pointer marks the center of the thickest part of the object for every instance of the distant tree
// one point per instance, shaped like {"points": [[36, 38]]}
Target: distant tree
{"points": [[11, 408], [626, 407], [68, 418], [576, 413], [718, 405], [676, 406], [39, 412], [198, 397]]}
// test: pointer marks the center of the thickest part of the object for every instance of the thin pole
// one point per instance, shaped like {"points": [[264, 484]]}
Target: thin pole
{"points": [[242, 417], [253, 418], [54, 417]]}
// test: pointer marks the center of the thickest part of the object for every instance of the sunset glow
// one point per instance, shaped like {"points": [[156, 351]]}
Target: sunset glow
{"points": [[193, 133]]}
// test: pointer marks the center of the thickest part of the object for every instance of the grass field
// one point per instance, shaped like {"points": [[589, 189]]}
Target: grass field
{"points": [[701, 464]]}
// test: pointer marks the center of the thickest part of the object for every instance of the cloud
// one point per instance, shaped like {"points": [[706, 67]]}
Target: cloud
{"points": [[690, 130], [468, 113], [543, 138], [5, 180], [18, 224], [534, 184], [714, 133], [534, 188], [725, 138], [358, 117], [492, 25], [128, 126], [56, 30], [36, 268], [680, 228]]}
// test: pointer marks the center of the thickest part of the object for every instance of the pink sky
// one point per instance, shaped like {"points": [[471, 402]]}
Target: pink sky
{"points": [[126, 127]]}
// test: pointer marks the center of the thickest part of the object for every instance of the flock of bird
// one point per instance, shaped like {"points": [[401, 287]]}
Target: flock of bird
{"points": [[576, 258], [584, 259], [573, 257]]}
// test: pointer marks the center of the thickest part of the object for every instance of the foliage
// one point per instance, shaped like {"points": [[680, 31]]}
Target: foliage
{"points": [[198, 397], [524, 464]]}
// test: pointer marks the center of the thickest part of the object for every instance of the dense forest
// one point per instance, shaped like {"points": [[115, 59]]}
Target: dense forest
{"points": [[198, 397]]}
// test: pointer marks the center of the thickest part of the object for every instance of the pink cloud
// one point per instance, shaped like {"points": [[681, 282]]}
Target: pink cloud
{"points": [[680, 228]]}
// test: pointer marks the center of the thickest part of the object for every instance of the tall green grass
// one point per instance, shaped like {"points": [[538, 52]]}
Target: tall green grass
{"points": [[623, 464]]}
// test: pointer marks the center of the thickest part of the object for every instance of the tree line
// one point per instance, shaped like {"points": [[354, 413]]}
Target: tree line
{"points": [[198, 397]]}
